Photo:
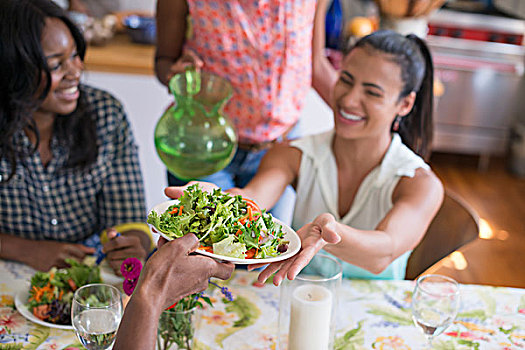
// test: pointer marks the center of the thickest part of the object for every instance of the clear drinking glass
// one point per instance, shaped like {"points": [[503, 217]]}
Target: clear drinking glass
{"points": [[435, 304], [308, 305], [95, 314]]}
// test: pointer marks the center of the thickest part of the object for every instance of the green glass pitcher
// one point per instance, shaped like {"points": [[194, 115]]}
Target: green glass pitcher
{"points": [[194, 138]]}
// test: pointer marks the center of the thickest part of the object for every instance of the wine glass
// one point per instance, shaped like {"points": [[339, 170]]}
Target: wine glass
{"points": [[435, 304], [95, 314]]}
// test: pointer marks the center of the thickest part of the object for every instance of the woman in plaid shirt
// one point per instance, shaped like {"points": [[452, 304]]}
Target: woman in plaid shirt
{"points": [[68, 161]]}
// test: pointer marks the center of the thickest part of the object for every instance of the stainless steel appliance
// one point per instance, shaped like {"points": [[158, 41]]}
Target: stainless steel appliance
{"points": [[479, 59]]}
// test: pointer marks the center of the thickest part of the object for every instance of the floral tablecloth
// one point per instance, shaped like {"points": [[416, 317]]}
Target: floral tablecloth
{"points": [[371, 315]]}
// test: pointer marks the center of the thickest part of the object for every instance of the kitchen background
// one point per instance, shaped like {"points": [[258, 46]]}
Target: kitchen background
{"points": [[479, 149]]}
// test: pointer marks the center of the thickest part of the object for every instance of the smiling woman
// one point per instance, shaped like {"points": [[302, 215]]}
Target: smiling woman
{"points": [[65, 65], [68, 160], [364, 191]]}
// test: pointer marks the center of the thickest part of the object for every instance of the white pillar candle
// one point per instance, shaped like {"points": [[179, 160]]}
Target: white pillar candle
{"points": [[311, 311]]}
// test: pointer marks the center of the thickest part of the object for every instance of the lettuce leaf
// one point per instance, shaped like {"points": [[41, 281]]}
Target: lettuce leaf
{"points": [[227, 247]]}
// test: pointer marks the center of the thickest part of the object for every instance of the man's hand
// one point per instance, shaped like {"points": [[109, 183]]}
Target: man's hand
{"points": [[314, 236], [169, 275], [172, 273], [46, 254]]}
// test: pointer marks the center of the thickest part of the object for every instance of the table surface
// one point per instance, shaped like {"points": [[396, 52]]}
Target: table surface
{"points": [[371, 315]]}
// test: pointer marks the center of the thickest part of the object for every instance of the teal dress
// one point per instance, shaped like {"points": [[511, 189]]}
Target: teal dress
{"points": [[394, 271]]}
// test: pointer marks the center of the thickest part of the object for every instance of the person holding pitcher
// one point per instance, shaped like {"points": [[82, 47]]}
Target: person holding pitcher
{"points": [[270, 51]]}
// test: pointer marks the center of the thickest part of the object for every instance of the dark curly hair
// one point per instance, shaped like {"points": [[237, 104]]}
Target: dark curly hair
{"points": [[24, 71]]}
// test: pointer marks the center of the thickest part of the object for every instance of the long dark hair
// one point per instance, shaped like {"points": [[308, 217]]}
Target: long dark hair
{"points": [[26, 80], [417, 73]]}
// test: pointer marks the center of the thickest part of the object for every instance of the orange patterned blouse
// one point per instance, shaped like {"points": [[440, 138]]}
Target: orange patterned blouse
{"points": [[263, 47]]}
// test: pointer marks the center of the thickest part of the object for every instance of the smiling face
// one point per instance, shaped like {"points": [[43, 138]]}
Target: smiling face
{"points": [[366, 96], [65, 66]]}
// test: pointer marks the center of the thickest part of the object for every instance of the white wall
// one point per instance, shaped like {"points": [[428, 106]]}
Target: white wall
{"points": [[145, 100]]}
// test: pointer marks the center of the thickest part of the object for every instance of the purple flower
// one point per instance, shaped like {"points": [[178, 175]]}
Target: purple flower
{"points": [[198, 295], [224, 290], [131, 268], [129, 286], [227, 294]]}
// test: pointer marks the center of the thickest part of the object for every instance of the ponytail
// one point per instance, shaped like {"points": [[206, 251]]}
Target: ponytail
{"points": [[416, 128]]}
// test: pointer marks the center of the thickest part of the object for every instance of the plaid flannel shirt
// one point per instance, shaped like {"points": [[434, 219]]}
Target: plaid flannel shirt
{"points": [[56, 203]]}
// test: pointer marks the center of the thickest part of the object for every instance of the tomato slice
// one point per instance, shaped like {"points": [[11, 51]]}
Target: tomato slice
{"points": [[252, 204], [41, 311], [207, 249], [250, 253]]}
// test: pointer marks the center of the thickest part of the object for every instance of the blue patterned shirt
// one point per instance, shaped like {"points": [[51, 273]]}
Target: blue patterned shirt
{"points": [[64, 204]]}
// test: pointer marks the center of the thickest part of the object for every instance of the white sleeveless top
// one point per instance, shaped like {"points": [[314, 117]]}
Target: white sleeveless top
{"points": [[317, 192]]}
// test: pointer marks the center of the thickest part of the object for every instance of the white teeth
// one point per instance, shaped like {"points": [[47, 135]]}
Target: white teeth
{"points": [[71, 90], [350, 116]]}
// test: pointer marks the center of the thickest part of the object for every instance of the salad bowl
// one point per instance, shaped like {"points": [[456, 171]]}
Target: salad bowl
{"points": [[294, 242]]}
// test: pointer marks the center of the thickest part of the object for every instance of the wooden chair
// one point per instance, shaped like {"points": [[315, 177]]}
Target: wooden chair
{"points": [[455, 224]]}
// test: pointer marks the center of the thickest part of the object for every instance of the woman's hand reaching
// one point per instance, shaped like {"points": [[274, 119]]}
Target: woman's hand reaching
{"points": [[314, 236]]}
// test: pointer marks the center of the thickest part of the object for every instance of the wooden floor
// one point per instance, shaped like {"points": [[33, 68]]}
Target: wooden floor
{"points": [[498, 256]]}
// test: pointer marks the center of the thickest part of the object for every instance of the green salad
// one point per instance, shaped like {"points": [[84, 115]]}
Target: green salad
{"points": [[51, 293], [225, 224]]}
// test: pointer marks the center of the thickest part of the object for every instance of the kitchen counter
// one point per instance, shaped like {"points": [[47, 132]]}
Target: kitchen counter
{"points": [[120, 55]]}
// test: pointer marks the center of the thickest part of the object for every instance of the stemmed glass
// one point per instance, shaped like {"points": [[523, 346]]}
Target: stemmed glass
{"points": [[95, 314], [435, 304]]}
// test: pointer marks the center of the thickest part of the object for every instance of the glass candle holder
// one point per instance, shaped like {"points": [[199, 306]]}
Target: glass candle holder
{"points": [[308, 305]]}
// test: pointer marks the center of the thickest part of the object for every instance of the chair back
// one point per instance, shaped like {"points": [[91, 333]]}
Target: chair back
{"points": [[455, 224]]}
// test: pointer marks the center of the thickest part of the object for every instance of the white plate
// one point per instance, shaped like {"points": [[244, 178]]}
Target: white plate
{"points": [[289, 235], [107, 275], [21, 306]]}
